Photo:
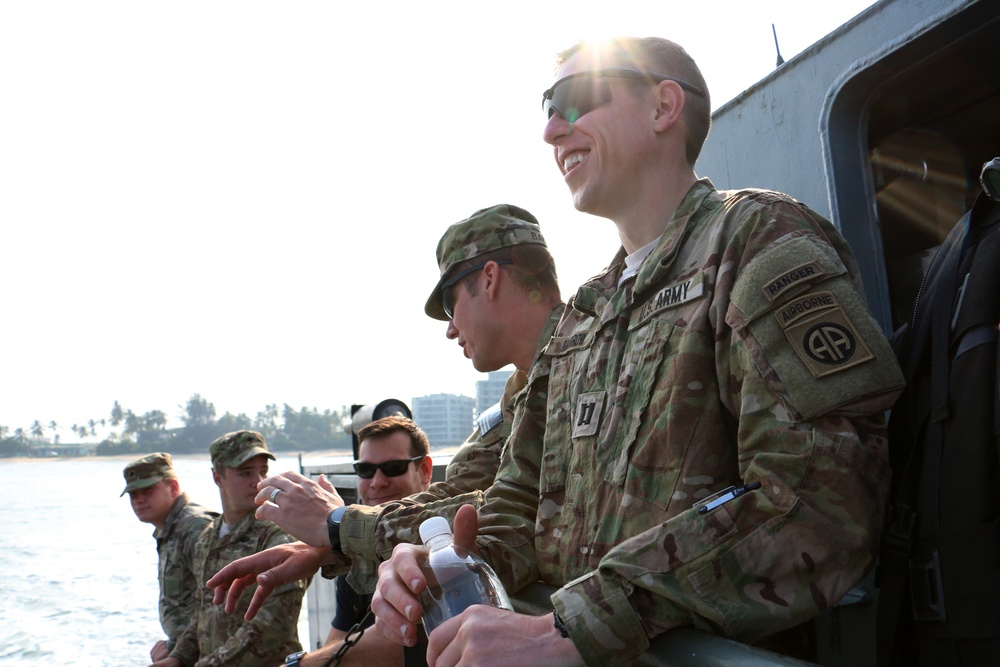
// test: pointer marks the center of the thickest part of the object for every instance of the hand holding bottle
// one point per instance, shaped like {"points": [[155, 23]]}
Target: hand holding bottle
{"points": [[456, 577], [395, 603]]}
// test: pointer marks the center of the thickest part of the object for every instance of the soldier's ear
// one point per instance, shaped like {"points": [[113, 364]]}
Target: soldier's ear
{"points": [[669, 105], [491, 271]]}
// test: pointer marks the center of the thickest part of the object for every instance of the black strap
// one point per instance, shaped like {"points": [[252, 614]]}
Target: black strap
{"points": [[955, 576], [941, 319]]}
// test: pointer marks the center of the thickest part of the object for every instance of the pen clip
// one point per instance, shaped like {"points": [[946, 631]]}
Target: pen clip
{"points": [[711, 502]]}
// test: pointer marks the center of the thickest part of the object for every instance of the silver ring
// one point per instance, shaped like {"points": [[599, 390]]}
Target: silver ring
{"points": [[274, 494]]}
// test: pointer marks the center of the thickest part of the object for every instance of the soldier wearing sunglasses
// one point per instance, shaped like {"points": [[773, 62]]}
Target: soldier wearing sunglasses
{"points": [[702, 441]]}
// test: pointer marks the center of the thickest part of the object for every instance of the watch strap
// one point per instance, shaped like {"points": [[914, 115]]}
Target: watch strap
{"points": [[333, 527]]}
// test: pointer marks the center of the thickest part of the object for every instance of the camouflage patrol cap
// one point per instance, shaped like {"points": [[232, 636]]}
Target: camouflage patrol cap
{"points": [[147, 471], [486, 230], [234, 449]]}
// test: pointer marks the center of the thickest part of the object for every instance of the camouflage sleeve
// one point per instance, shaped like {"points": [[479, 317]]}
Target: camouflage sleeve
{"points": [[275, 625], [178, 601], [814, 439], [472, 468], [186, 647], [510, 506]]}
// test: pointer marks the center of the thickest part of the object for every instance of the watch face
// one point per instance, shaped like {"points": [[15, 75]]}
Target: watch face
{"points": [[293, 659]]}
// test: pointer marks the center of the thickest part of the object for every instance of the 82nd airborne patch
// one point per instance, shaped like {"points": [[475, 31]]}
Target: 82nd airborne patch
{"points": [[822, 334]]}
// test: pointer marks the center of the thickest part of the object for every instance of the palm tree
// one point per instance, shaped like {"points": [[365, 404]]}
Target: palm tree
{"points": [[117, 414], [37, 430]]}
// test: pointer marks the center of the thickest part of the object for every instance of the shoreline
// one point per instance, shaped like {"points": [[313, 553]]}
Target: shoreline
{"points": [[308, 458], [318, 454]]}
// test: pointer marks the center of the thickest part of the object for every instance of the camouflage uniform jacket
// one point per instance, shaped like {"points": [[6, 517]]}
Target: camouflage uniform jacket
{"points": [[368, 534], [741, 352], [175, 548], [215, 638]]}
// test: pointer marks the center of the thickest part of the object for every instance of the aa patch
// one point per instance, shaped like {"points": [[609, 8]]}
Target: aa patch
{"points": [[800, 275], [822, 334], [670, 296], [587, 416]]}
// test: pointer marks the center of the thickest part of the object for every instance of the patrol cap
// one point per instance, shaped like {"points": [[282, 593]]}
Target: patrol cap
{"points": [[486, 230], [234, 449], [147, 471]]}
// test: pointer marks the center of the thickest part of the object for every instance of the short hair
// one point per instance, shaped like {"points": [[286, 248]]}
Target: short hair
{"points": [[380, 428], [532, 266], [657, 56]]}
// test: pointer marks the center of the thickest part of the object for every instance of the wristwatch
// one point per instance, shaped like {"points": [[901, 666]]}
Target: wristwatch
{"points": [[293, 659], [333, 527]]}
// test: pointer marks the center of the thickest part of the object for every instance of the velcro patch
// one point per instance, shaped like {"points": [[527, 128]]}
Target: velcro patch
{"points": [[587, 416], [670, 296], [788, 280], [822, 334], [560, 345]]}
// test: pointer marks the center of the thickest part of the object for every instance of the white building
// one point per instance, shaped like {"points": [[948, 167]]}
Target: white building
{"points": [[447, 419], [490, 391]]}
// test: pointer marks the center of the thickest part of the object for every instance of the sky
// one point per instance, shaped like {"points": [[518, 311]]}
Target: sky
{"points": [[242, 199]]}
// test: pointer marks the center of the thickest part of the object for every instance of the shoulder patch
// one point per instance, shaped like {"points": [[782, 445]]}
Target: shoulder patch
{"points": [[822, 334], [789, 279], [670, 296], [490, 419]]}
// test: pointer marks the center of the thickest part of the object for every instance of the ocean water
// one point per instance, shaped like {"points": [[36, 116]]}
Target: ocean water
{"points": [[77, 569]]}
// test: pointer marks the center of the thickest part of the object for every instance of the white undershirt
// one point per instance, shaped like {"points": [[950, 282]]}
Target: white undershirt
{"points": [[635, 260]]}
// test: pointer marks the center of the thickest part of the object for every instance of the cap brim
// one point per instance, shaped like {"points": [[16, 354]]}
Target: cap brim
{"points": [[433, 308], [140, 484], [256, 451]]}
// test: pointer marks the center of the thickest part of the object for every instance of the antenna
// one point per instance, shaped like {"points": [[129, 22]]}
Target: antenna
{"points": [[781, 61]]}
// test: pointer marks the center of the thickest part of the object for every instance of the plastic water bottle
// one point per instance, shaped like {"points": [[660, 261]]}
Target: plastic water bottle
{"points": [[456, 578]]}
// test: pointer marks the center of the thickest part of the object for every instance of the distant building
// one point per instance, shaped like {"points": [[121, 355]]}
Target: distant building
{"points": [[490, 391], [447, 419]]}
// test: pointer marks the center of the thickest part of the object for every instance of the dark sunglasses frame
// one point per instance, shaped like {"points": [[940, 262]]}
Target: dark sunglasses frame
{"points": [[393, 468], [447, 298], [556, 101]]}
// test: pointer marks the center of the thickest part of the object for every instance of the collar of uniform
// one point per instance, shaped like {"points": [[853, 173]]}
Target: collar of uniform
{"points": [[549, 328], [660, 261], [592, 296], [238, 529]]}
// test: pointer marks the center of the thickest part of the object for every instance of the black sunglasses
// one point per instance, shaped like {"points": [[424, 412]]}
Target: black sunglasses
{"points": [[578, 94], [394, 468], [448, 298]]}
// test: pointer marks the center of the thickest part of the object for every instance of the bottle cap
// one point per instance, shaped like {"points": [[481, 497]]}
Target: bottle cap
{"points": [[432, 527]]}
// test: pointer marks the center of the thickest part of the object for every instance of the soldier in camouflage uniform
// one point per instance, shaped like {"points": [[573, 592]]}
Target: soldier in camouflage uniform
{"points": [[496, 326], [726, 346], [214, 638], [156, 497]]}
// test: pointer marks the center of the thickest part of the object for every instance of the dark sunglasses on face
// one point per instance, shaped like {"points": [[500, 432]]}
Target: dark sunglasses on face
{"points": [[448, 297], [578, 94], [393, 468]]}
